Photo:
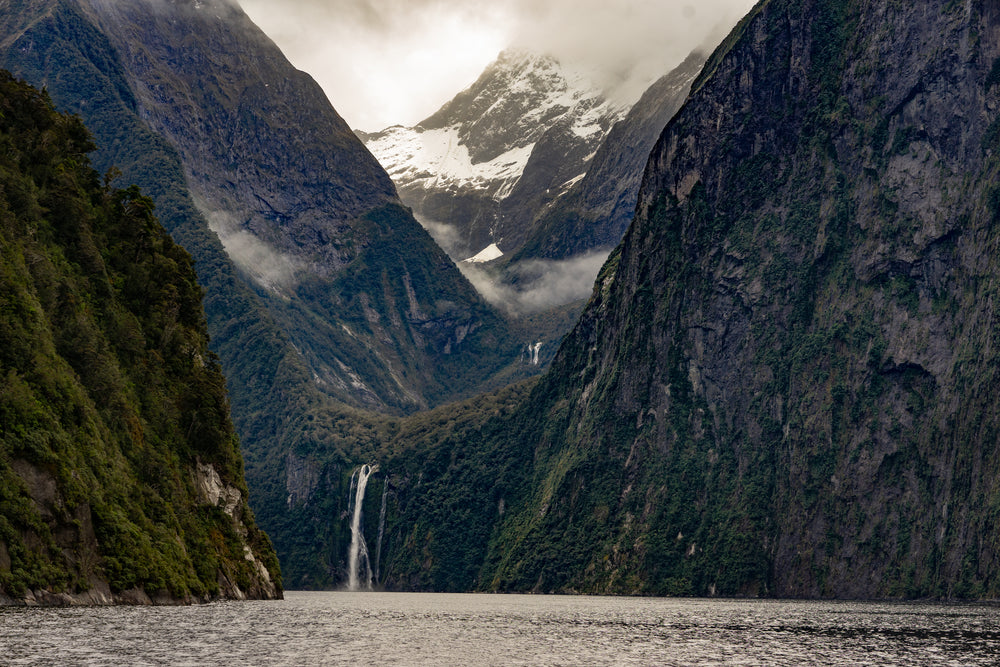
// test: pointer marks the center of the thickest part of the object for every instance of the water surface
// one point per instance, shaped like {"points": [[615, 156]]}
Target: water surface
{"points": [[440, 629]]}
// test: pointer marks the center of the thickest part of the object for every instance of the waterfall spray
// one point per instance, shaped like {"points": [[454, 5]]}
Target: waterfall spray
{"points": [[358, 552], [350, 493], [381, 529]]}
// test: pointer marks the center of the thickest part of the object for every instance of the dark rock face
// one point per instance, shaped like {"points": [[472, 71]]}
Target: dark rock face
{"points": [[805, 285], [784, 383], [218, 89]]}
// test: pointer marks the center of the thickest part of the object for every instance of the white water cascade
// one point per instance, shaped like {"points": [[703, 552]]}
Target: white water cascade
{"points": [[358, 552], [381, 529]]}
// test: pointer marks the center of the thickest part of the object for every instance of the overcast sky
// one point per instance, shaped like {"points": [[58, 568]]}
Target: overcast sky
{"points": [[386, 62]]}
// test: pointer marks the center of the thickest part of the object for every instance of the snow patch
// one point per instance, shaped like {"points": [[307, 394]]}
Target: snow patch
{"points": [[487, 254], [437, 159]]}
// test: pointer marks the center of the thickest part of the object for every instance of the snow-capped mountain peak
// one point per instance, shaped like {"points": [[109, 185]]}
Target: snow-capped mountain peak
{"points": [[481, 142]]}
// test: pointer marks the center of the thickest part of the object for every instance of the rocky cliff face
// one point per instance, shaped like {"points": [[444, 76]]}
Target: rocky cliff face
{"points": [[206, 79], [806, 286], [490, 159], [783, 384]]}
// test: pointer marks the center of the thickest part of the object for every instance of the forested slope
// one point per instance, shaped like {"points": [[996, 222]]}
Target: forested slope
{"points": [[120, 470]]}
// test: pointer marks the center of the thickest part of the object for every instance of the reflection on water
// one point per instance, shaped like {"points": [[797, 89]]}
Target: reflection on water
{"points": [[439, 629]]}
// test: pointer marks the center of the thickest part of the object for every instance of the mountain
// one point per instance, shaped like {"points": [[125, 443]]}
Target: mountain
{"points": [[372, 307], [784, 383], [530, 177], [322, 293], [372, 304], [120, 472], [493, 156], [594, 214]]}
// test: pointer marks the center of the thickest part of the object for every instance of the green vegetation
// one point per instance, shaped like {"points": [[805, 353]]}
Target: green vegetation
{"points": [[110, 399]]}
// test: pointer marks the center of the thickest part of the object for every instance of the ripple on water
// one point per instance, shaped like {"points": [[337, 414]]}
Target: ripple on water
{"points": [[444, 629]]}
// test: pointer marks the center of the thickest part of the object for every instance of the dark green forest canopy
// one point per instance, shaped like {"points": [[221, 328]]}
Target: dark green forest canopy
{"points": [[113, 410]]}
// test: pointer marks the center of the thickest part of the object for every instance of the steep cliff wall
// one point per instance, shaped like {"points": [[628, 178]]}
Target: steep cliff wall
{"points": [[784, 382], [807, 285]]}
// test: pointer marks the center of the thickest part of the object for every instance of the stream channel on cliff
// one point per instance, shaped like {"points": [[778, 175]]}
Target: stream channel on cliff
{"points": [[442, 629]]}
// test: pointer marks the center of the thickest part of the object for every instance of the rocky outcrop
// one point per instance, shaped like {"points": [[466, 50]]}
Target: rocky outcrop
{"points": [[78, 541]]}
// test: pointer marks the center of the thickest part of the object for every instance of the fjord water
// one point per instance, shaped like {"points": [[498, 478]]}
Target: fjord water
{"points": [[444, 629]]}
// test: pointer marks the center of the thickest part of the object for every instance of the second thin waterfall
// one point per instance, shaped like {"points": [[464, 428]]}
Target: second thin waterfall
{"points": [[357, 555]]}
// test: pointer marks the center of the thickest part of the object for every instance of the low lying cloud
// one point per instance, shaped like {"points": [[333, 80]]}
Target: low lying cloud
{"points": [[628, 44], [446, 236], [271, 269], [541, 284]]}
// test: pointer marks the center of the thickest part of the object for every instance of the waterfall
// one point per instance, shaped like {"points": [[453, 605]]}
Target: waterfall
{"points": [[358, 552], [534, 352], [381, 529], [350, 493]]}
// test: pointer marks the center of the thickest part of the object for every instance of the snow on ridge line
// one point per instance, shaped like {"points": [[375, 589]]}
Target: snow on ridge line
{"points": [[411, 155], [487, 254], [438, 159]]}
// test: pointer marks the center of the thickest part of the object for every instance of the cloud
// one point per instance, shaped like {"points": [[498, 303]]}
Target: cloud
{"points": [[630, 42], [446, 236], [528, 286], [269, 268], [540, 284], [385, 62]]}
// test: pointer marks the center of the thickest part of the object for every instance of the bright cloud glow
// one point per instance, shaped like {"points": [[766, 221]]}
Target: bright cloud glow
{"points": [[388, 62]]}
